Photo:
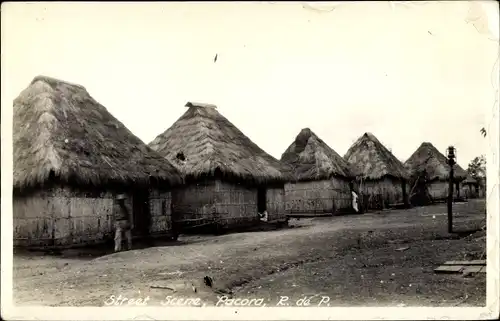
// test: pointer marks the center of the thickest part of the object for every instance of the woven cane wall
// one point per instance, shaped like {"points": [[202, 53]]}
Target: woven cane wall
{"points": [[62, 217], [325, 196]]}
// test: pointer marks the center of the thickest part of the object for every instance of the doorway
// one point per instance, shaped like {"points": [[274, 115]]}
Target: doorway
{"points": [[405, 195], [457, 189], [261, 199], [141, 213]]}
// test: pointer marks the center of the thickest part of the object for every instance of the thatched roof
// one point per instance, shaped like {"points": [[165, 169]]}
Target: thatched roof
{"points": [[61, 133], [202, 143], [470, 180], [310, 158], [369, 159], [429, 158]]}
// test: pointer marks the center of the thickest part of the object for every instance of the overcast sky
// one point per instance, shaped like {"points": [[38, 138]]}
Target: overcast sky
{"points": [[407, 73]]}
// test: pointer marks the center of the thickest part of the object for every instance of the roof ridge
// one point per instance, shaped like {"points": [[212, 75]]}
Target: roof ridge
{"points": [[51, 81], [192, 104]]}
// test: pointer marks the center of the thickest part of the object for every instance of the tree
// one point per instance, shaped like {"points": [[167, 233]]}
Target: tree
{"points": [[477, 167]]}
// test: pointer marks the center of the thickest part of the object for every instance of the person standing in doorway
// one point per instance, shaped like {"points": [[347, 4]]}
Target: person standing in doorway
{"points": [[122, 224]]}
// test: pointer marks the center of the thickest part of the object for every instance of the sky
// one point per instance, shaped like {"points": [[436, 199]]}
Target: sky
{"points": [[406, 72]]}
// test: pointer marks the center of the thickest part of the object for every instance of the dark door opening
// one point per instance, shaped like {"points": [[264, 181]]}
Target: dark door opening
{"points": [[261, 199], [405, 196], [141, 213]]}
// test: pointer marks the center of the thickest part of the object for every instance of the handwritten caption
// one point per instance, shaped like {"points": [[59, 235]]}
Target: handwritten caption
{"points": [[222, 301], [283, 301], [121, 300]]}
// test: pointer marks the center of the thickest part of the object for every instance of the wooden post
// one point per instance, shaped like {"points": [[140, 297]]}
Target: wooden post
{"points": [[451, 161]]}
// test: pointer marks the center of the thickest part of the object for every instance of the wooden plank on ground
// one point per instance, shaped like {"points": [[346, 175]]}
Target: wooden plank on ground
{"points": [[449, 269], [473, 262], [474, 269]]}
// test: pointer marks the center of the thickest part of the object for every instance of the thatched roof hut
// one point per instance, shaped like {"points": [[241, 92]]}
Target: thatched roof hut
{"points": [[471, 188], [203, 143], [370, 159], [435, 164], [321, 177], [60, 133], [309, 158], [229, 179]]}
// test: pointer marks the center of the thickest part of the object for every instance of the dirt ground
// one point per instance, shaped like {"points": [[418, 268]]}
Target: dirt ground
{"points": [[376, 259]]}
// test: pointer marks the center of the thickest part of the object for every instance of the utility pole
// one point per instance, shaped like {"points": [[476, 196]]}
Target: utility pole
{"points": [[451, 162]]}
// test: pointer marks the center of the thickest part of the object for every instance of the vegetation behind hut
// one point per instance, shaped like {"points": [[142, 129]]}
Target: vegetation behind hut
{"points": [[476, 179], [477, 167]]}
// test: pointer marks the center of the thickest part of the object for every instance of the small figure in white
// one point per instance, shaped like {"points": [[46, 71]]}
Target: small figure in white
{"points": [[263, 216], [355, 201]]}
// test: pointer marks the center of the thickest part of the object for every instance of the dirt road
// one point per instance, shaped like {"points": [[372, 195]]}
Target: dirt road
{"points": [[351, 260]]}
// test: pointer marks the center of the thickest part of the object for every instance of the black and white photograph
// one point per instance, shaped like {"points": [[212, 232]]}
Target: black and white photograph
{"points": [[250, 160]]}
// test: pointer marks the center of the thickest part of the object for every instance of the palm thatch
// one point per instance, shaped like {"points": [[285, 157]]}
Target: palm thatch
{"points": [[428, 158], [61, 133], [369, 159], [203, 143], [310, 158]]}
